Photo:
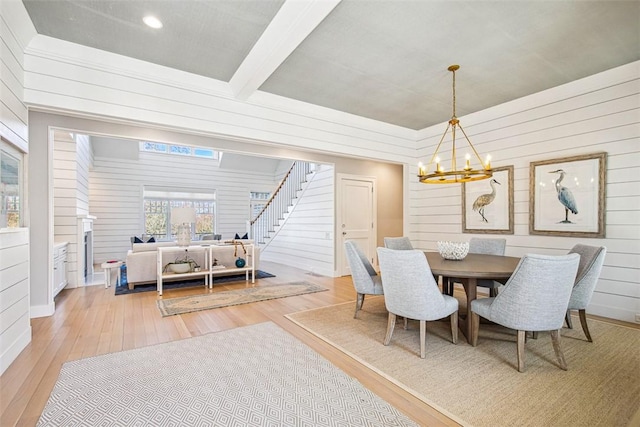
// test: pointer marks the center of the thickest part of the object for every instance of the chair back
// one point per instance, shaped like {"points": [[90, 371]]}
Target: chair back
{"points": [[480, 245], [591, 261], [362, 272], [536, 296], [409, 287], [398, 243]]}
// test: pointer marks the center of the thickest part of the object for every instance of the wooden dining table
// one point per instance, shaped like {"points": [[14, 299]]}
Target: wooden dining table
{"points": [[468, 270]]}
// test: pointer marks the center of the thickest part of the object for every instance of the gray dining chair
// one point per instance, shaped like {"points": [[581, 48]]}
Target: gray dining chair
{"points": [[481, 245], [411, 291], [591, 261], [399, 243], [365, 279], [535, 298]]}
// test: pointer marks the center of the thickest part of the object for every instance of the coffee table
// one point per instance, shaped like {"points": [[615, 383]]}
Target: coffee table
{"points": [[468, 271]]}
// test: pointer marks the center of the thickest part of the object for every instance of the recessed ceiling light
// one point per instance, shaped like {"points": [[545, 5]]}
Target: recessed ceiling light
{"points": [[152, 21]]}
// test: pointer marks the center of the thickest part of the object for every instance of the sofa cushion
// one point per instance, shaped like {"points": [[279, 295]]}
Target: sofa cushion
{"points": [[146, 247]]}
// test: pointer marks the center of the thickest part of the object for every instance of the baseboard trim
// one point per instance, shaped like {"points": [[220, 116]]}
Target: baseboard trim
{"points": [[7, 358], [42, 310]]}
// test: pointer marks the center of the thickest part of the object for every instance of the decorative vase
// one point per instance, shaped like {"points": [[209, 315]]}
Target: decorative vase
{"points": [[240, 262]]}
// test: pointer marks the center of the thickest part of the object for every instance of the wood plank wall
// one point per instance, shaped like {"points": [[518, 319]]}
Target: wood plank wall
{"points": [[304, 239], [15, 326], [595, 114]]}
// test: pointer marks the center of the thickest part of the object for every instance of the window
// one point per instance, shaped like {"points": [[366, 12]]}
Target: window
{"points": [[178, 150], [157, 212], [10, 186], [257, 202]]}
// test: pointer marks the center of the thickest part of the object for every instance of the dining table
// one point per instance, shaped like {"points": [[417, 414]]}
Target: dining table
{"points": [[467, 271]]}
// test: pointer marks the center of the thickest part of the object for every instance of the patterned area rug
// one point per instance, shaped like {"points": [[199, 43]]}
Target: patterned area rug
{"points": [[481, 385], [171, 306], [256, 375], [123, 289]]}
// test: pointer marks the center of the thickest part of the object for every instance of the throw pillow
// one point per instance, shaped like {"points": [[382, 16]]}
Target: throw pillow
{"points": [[246, 236], [151, 240], [237, 236], [136, 239]]}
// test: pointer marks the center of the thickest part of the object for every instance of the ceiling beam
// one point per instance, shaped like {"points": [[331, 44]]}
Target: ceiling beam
{"points": [[295, 20]]}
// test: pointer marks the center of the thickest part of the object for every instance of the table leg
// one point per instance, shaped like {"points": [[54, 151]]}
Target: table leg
{"points": [[107, 277], [470, 289]]}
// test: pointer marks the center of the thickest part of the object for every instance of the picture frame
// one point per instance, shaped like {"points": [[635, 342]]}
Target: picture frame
{"points": [[487, 205], [567, 196]]}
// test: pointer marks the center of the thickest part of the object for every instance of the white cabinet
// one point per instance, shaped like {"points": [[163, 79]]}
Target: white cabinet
{"points": [[59, 267]]}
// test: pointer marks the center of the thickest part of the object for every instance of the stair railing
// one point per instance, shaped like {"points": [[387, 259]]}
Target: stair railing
{"points": [[279, 202]]}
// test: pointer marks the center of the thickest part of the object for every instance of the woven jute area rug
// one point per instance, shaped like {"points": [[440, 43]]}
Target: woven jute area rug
{"points": [[481, 386], [256, 375], [171, 306]]}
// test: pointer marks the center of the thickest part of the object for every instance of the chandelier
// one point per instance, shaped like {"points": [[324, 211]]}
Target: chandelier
{"points": [[465, 174]]}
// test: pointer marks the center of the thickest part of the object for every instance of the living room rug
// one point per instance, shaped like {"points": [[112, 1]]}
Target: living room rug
{"points": [[172, 306], [179, 284], [256, 375], [481, 386]]}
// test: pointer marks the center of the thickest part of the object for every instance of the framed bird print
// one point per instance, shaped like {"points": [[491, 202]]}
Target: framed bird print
{"points": [[487, 205], [567, 196]]}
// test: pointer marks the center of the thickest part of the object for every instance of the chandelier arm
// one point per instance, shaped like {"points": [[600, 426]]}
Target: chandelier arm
{"points": [[473, 148], [435, 153]]}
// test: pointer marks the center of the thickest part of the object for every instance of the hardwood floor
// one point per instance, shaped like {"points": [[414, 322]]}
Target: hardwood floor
{"points": [[91, 321]]}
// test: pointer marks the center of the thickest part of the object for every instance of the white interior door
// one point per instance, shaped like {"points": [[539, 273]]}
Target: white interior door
{"points": [[356, 217]]}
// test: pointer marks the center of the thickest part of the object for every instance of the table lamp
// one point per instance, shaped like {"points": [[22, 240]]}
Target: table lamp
{"points": [[183, 218]]}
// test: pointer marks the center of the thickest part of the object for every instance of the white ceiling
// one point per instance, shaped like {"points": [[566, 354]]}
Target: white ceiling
{"points": [[381, 59]]}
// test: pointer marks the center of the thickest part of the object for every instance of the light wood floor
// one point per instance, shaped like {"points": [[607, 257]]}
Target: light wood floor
{"points": [[91, 321]]}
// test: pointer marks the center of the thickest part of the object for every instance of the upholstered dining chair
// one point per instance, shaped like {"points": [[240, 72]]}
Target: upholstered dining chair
{"points": [[399, 243], [481, 245], [591, 260], [365, 279], [535, 298], [411, 291]]}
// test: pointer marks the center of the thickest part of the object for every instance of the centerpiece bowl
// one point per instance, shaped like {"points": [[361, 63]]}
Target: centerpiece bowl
{"points": [[453, 250]]}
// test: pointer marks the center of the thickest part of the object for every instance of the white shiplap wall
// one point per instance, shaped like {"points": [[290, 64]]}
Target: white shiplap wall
{"points": [[13, 40], [305, 237], [72, 159], [595, 114], [15, 326], [116, 195]]}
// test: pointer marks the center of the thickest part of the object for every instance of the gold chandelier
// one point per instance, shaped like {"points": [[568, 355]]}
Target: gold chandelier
{"points": [[465, 174]]}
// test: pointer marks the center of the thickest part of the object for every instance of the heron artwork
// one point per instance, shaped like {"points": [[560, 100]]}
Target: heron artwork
{"points": [[483, 200], [565, 197]]}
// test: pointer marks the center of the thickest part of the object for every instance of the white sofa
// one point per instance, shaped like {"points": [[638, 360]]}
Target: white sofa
{"points": [[142, 259]]}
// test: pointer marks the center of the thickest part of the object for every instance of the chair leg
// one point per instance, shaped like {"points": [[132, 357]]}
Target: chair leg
{"points": [[475, 327], [583, 322], [454, 327], [391, 324], [359, 302], [567, 319], [493, 292], [521, 337], [555, 338], [406, 323], [423, 339]]}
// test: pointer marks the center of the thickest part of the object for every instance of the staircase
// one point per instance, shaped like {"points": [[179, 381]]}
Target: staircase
{"points": [[264, 227]]}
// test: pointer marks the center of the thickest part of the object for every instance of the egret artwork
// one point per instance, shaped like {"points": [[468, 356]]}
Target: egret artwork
{"points": [[565, 197], [485, 199]]}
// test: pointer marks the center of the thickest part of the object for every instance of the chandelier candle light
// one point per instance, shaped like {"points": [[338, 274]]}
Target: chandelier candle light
{"points": [[183, 218], [466, 174]]}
